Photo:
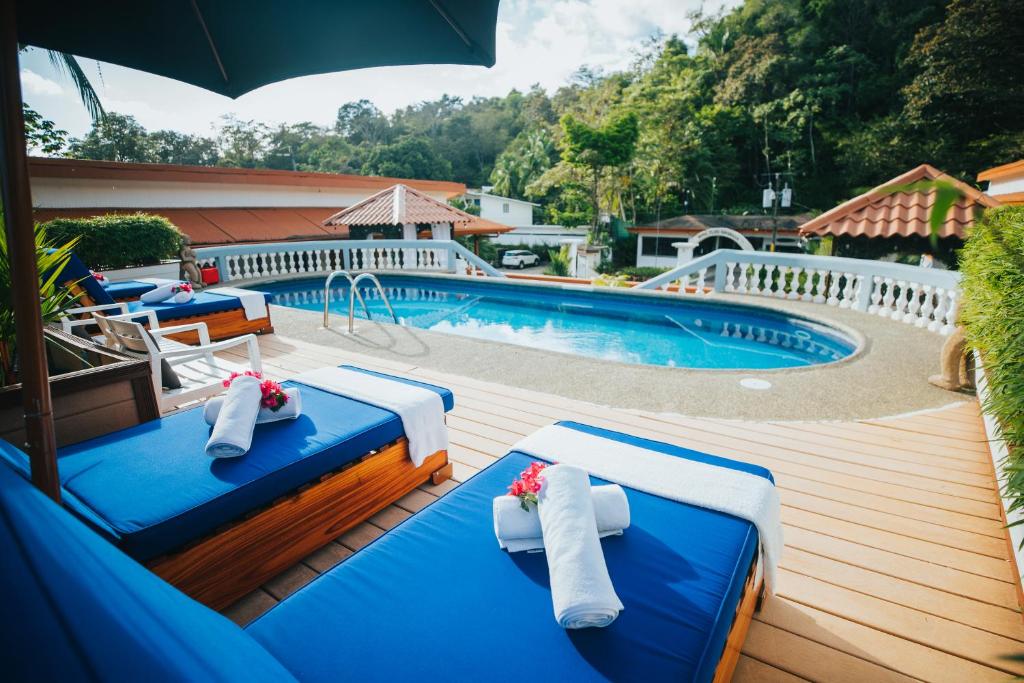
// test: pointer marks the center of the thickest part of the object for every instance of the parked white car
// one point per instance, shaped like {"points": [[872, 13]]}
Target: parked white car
{"points": [[519, 258]]}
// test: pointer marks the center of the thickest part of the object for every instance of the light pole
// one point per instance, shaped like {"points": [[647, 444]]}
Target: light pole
{"points": [[773, 199]]}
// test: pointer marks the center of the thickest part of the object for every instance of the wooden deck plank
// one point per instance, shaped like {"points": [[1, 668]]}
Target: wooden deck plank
{"points": [[896, 565]]}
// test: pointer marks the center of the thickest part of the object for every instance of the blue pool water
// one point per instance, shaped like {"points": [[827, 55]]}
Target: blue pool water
{"points": [[629, 329]]}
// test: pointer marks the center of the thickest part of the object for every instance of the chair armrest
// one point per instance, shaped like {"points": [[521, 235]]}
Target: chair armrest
{"points": [[195, 351], [200, 327], [82, 310], [150, 317]]}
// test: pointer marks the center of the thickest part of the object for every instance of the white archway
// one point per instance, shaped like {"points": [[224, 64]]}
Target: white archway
{"points": [[736, 237]]}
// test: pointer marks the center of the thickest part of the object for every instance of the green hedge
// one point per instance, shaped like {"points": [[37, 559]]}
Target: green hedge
{"points": [[634, 273], [992, 265], [119, 241]]}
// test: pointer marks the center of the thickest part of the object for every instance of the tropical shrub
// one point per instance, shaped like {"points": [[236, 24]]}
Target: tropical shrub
{"points": [[992, 264], [51, 257], [119, 241], [559, 262]]}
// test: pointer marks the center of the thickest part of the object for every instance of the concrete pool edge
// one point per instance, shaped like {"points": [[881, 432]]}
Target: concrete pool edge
{"points": [[888, 378]]}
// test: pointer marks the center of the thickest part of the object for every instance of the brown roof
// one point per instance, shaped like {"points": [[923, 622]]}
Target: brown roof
{"points": [[40, 167], [400, 204], [1011, 169], [695, 223], [882, 213], [227, 226]]}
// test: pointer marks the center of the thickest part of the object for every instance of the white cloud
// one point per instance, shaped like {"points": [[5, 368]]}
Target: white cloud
{"points": [[34, 84], [537, 42]]}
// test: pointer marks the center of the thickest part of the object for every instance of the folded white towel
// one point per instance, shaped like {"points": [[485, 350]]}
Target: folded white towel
{"points": [[736, 493], [289, 411], [518, 529], [581, 590], [232, 434], [160, 294], [421, 410], [254, 304]]}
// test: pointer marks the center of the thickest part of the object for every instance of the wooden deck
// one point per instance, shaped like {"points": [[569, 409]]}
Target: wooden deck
{"points": [[896, 565]]}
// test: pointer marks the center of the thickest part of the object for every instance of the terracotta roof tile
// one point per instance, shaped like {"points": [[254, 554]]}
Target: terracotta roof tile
{"points": [[881, 213], [401, 204]]}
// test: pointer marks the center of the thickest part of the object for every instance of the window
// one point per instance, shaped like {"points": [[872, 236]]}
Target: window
{"points": [[659, 246], [504, 207]]}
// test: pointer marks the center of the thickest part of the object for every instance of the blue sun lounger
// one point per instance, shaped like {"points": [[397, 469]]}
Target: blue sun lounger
{"points": [[223, 313], [432, 599], [151, 489]]}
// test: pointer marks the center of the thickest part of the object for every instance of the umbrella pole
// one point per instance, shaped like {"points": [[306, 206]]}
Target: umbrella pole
{"points": [[40, 443]]}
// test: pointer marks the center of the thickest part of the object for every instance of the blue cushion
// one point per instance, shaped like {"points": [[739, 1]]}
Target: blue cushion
{"points": [[128, 289], [436, 594], [77, 609], [76, 271], [151, 488], [202, 303]]}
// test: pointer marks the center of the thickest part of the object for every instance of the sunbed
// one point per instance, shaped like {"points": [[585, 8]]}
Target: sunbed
{"points": [[128, 290], [432, 599], [223, 314], [219, 528]]}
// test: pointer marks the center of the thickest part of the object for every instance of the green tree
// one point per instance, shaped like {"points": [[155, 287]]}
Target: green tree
{"points": [[525, 160], [242, 144], [172, 147], [42, 135], [114, 137], [598, 148], [362, 123], [408, 157]]}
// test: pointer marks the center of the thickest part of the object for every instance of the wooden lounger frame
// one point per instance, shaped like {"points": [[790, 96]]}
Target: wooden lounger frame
{"points": [[750, 602], [221, 325], [237, 559]]}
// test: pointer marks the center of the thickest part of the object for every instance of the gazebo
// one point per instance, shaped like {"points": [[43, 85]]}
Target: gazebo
{"points": [[409, 214]]}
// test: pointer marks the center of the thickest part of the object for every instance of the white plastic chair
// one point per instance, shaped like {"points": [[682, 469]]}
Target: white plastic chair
{"points": [[200, 371]]}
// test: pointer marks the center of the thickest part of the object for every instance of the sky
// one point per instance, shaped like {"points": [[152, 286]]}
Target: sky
{"points": [[538, 41]]}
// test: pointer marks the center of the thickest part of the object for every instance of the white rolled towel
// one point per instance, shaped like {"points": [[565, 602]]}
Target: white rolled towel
{"points": [[232, 433], [518, 529], [289, 411], [581, 590], [160, 294]]}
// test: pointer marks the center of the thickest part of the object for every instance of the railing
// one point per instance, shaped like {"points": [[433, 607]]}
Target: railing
{"points": [[277, 259], [923, 297]]}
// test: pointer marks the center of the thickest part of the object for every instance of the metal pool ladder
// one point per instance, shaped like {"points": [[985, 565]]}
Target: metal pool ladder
{"points": [[353, 292]]}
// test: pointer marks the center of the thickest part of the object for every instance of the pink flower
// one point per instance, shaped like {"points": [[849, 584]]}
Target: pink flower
{"points": [[516, 489], [182, 287], [100, 277]]}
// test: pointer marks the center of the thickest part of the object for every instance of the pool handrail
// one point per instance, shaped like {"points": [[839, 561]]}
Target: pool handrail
{"points": [[352, 300], [352, 288]]}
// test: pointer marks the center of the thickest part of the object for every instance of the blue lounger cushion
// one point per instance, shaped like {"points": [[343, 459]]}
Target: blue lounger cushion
{"points": [[151, 488], [204, 302], [128, 289], [75, 608], [438, 592]]}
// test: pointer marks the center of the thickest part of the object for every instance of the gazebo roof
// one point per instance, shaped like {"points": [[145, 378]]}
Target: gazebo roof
{"points": [[881, 213], [401, 204]]}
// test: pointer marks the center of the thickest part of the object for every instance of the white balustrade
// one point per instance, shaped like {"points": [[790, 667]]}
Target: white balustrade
{"points": [[926, 298]]}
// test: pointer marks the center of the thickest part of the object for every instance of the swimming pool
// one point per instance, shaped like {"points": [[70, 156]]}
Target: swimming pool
{"points": [[630, 329]]}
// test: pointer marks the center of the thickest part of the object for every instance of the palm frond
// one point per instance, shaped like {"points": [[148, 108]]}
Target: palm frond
{"points": [[69, 66]]}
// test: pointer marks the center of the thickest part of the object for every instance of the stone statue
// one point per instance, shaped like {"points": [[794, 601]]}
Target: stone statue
{"points": [[956, 373], [189, 269]]}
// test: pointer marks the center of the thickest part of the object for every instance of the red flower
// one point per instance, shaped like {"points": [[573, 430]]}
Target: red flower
{"points": [[100, 277], [182, 287], [528, 485], [247, 373]]}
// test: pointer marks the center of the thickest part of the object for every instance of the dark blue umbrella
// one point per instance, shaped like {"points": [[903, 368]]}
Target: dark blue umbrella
{"points": [[227, 46], [234, 46]]}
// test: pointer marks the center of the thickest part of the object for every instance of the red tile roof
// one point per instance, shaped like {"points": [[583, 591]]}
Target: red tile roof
{"points": [[882, 213], [401, 204], [226, 226], [40, 167]]}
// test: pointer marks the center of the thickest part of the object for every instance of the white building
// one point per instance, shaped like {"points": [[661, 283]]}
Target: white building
{"points": [[517, 213]]}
